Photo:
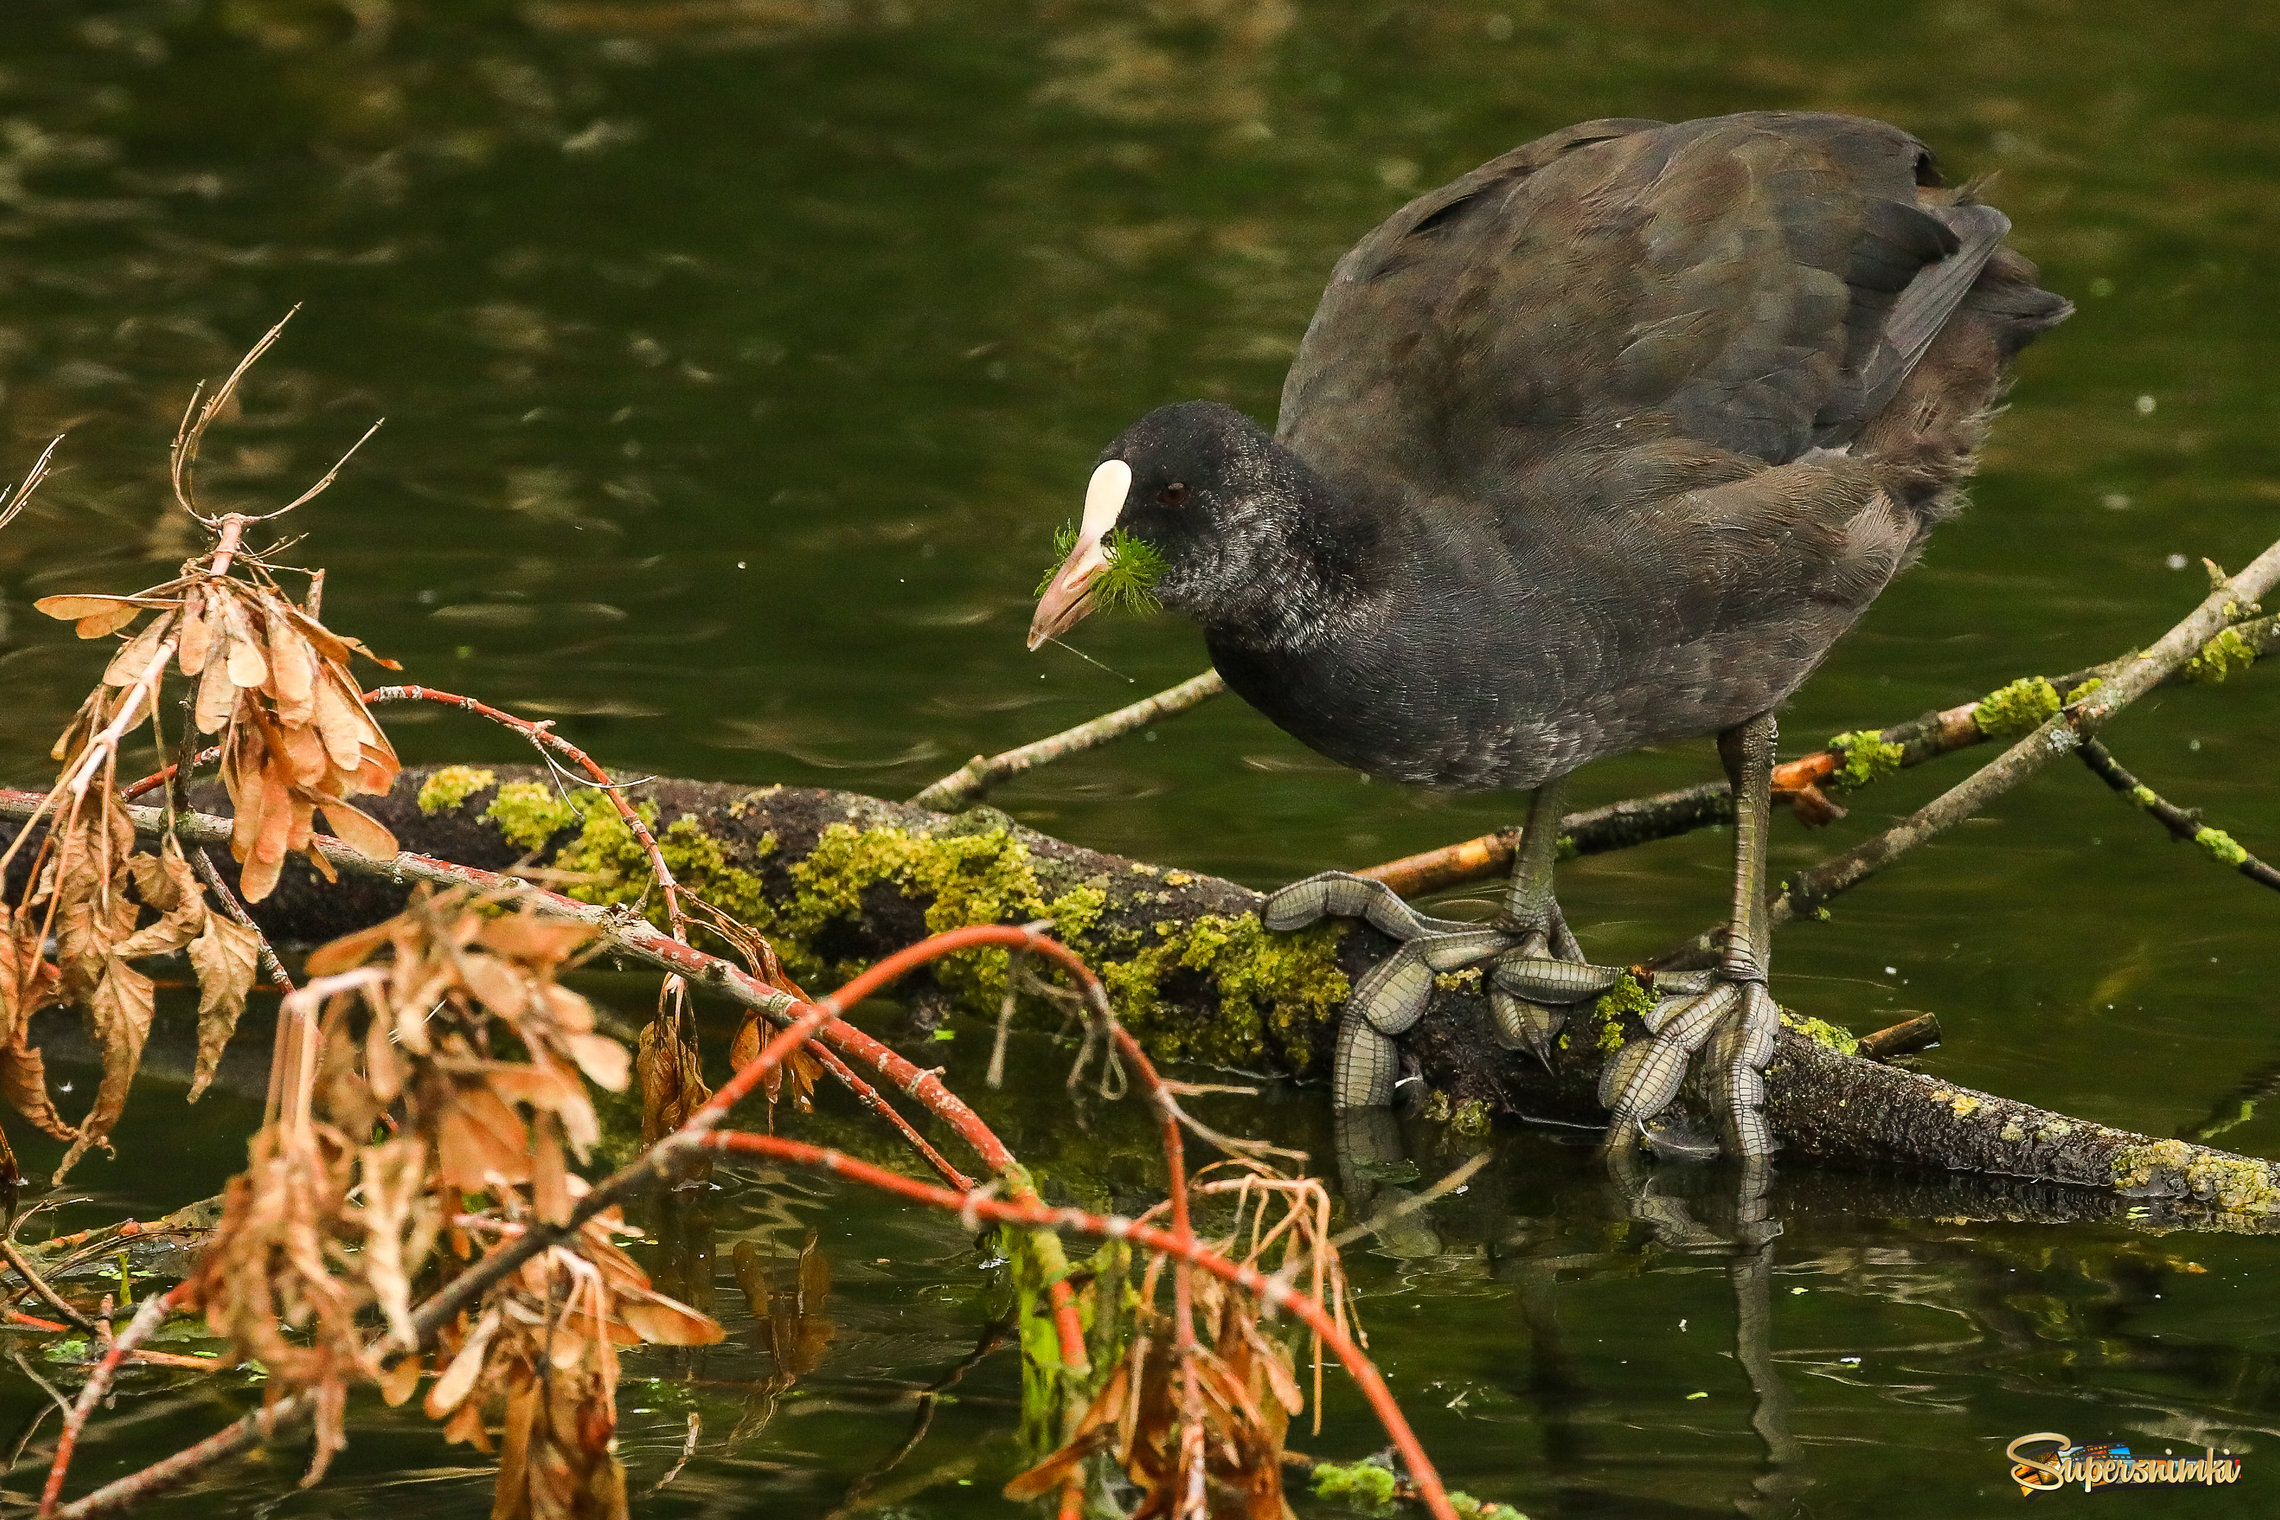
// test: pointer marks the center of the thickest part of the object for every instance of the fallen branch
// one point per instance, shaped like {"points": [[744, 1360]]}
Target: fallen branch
{"points": [[2091, 709], [794, 841]]}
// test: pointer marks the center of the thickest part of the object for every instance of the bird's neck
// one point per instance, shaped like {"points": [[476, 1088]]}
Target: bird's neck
{"points": [[1288, 573]]}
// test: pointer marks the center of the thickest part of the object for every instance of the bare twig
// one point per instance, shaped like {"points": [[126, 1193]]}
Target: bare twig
{"points": [[973, 780], [12, 500], [40, 1288], [2094, 705], [147, 1319], [2130, 678]]}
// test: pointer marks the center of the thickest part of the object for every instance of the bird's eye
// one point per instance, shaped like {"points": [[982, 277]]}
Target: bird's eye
{"points": [[1173, 494]]}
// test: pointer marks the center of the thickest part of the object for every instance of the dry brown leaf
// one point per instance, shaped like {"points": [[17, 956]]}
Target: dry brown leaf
{"points": [[457, 1380], [672, 1088], [359, 830], [133, 661], [349, 951], [602, 1059], [197, 633], [74, 608], [663, 1321], [23, 1082], [217, 693], [121, 1006], [399, 1221], [401, 1381], [248, 668], [226, 956], [292, 664]]}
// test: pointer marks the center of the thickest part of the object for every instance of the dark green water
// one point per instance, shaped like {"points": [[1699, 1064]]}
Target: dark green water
{"points": [[739, 360]]}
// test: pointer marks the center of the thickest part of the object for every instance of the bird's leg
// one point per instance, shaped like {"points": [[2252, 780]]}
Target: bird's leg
{"points": [[1536, 961], [1545, 954], [1735, 1017]]}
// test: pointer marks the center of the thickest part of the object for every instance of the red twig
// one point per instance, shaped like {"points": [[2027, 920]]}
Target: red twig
{"points": [[147, 1319], [544, 736], [1178, 1247], [639, 938]]}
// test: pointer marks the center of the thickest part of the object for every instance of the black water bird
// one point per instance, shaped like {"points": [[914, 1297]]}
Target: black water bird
{"points": [[1602, 445]]}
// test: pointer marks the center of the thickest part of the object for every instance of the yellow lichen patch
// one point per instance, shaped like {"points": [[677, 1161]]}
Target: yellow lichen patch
{"points": [[613, 867], [1283, 986], [2221, 847], [2016, 710], [1867, 757], [2234, 1183], [1625, 997], [451, 786], [1965, 1105], [2226, 654], [1821, 1032]]}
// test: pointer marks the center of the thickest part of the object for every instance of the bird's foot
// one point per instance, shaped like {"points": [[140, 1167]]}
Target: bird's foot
{"points": [[1529, 983], [1732, 1022]]}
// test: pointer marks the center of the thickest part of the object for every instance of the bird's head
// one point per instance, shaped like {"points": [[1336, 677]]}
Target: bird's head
{"points": [[1184, 510]]}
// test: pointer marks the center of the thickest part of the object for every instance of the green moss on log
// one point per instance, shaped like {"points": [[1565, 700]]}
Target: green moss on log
{"points": [[451, 786]]}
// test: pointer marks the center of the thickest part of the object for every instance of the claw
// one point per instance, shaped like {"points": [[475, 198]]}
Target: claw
{"points": [[1522, 1024], [1363, 1070]]}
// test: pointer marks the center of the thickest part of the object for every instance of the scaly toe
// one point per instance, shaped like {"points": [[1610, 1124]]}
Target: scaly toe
{"points": [[1392, 995], [1365, 1066]]}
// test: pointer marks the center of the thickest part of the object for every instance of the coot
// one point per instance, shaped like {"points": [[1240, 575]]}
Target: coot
{"points": [[1602, 445]]}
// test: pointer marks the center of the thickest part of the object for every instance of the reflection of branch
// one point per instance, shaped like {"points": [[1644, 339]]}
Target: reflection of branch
{"points": [[2182, 823], [40, 1288], [993, 1336]]}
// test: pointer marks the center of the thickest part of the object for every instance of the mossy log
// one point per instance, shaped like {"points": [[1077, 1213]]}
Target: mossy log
{"points": [[837, 879]]}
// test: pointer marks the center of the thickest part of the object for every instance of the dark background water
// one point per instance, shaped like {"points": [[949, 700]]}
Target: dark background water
{"points": [[739, 359]]}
